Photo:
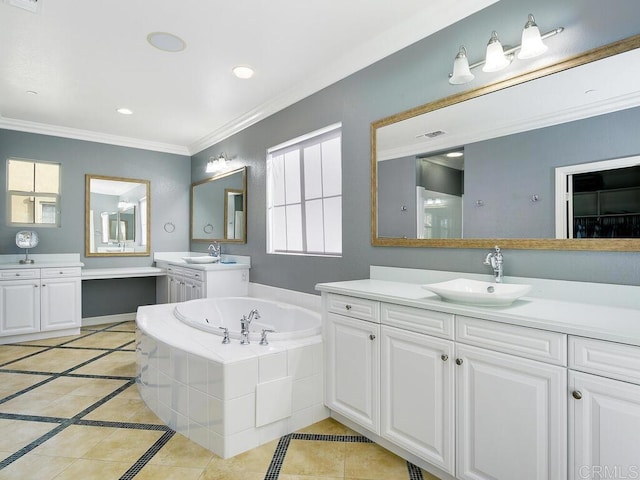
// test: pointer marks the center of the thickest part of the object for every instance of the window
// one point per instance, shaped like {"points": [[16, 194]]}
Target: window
{"points": [[33, 193], [304, 195]]}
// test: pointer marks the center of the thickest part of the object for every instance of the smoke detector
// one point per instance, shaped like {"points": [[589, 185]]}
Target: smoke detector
{"points": [[32, 6]]}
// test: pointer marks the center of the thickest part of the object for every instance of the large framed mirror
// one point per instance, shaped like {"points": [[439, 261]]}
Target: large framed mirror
{"points": [[507, 139], [117, 216], [219, 208]]}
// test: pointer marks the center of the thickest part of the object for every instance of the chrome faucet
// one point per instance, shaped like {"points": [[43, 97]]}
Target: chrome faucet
{"points": [[214, 249], [245, 323], [495, 260]]}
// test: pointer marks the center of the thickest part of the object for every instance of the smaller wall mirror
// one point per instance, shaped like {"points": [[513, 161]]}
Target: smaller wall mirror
{"points": [[219, 208], [117, 213]]}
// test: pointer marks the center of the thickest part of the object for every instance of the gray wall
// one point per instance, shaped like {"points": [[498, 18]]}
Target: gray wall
{"points": [[397, 180], [170, 179], [415, 76], [505, 172]]}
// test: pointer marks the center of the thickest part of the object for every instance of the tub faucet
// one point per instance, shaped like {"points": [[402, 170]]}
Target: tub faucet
{"points": [[214, 249], [245, 323], [495, 260]]}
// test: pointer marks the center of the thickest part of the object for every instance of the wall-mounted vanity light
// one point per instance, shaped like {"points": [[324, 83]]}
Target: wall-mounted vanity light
{"points": [[216, 164], [497, 58]]}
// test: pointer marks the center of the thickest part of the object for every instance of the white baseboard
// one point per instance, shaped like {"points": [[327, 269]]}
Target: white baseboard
{"points": [[120, 317]]}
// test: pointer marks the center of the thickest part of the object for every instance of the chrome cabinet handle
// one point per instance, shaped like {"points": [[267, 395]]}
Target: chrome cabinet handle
{"points": [[577, 394], [372, 337], [444, 357], [459, 361]]}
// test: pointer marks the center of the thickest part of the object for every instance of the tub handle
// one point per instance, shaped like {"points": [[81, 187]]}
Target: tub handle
{"points": [[263, 339], [225, 333]]}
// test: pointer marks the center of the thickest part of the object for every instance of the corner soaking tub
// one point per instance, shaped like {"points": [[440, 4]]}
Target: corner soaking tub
{"points": [[230, 397]]}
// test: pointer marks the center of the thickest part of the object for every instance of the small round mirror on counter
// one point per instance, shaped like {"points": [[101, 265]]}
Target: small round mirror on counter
{"points": [[26, 239]]}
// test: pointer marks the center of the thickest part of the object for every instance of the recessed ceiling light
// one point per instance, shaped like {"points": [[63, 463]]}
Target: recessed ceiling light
{"points": [[167, 42], [125, 111], [243, 71], [454, 154]]}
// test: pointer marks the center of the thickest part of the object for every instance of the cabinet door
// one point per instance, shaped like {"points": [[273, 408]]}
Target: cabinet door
{"points": [[173, 288], [192, 289], [19, 307], [352, 373], [512, 417], [61, 304], [416, 405], [604, 427]]}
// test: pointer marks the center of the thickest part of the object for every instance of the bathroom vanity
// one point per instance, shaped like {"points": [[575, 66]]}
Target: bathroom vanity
{"points": [[188, 281], [547, 388], [39, 300]]}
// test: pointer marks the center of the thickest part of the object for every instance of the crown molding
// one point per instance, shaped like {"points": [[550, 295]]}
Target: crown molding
{"points": [[90, 136]]}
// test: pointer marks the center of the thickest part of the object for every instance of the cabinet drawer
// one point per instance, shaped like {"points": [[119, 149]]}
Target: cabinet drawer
{"points": [[609, 359], [417, 320], [354, 307], [61, 272], [19, 274], [550, 347]]}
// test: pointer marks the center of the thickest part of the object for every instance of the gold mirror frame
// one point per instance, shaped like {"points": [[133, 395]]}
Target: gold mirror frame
{"points": [[223, 205], [599, 53], [87, 218]]}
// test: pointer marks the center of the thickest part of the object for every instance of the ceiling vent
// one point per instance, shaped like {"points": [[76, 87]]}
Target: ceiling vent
{"points": [[28, 5], [433, 134]]}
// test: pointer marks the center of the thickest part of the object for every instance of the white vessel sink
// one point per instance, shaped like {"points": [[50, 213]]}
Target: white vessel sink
{"points": [[202, 259], [474, 292]]}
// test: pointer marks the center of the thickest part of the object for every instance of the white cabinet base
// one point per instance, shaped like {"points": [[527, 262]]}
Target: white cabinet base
{"points": [[29, 337], [392, 447]]}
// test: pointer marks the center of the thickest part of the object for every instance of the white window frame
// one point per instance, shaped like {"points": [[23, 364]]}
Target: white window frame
{"points": [[34, 194], [300, 143]]}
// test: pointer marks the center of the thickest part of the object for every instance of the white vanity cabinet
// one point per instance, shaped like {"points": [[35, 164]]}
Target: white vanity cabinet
{"points": [[39, 300], [189, 283], [417, 383], [60, 298], [511, 401], [184, 284], [19, 301], [352, 353], [489, 402], [604, 409]]}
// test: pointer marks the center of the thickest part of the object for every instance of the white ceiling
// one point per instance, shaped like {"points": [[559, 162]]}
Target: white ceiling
{"points": [[87, 58]]}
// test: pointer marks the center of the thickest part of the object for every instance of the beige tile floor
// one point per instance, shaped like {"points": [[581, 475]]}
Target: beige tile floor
{"points": [[69, 409]]}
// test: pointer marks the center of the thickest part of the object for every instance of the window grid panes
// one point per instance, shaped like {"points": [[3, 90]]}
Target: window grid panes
{"points": [[33, 193], [304, 195]]}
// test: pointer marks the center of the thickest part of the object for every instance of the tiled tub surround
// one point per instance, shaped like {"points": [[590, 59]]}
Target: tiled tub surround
{"points": [[228, 398]]}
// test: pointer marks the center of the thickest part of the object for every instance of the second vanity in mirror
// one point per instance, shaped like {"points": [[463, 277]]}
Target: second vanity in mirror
{"points": [[218, 208], [516, 139], [117, 213]]}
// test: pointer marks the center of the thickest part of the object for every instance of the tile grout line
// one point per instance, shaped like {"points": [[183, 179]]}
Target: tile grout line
{"points": [[55, 375], [148, 455], [273, 472], [77, 419]]}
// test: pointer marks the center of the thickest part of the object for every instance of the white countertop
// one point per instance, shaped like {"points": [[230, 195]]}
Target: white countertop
{"points": [[228, 262], [41, 261], [605, 322], [122, 272]]}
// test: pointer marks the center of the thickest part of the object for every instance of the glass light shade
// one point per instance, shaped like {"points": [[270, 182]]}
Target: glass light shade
{"points": [[495, 59], [532, 45], [461, 72]]}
